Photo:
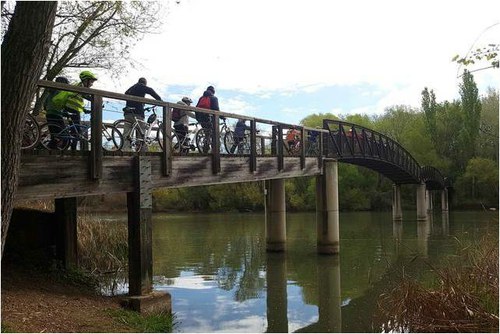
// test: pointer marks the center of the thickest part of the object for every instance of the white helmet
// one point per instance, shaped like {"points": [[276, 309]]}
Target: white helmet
{"points": [[187, 100]]}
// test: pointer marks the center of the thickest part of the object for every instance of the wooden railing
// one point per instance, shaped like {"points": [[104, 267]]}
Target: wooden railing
{"points": [[276, 137]]}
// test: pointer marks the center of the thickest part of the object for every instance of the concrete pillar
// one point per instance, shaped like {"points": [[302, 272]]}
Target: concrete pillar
{"points": [[397, 212], [140, 249], [428, 200], [275, 216], [329, 296], [66, 235], [444, 200], [327, 209], [276, 299], [421, 203]]}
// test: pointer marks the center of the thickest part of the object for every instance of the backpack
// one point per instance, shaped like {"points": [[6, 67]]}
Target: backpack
{"points": [[176, 114], [203, 102]]}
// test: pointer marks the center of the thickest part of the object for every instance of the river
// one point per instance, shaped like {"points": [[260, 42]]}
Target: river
{"points": [[222, 280]]}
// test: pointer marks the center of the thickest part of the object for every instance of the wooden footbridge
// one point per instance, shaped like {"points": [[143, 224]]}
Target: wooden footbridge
{"points": [[65, 175]]}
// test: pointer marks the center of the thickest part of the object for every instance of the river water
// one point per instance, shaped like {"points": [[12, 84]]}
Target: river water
{"points": [[222, 280]]}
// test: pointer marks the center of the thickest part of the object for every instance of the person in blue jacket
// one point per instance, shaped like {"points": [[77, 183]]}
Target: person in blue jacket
{"points": [[239, 135]]}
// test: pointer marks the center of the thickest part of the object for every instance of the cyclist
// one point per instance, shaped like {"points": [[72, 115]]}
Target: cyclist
{"points": [[239, 135], [181, 123], [293, 139], [69, 104], [207, 101], [135, 110]]}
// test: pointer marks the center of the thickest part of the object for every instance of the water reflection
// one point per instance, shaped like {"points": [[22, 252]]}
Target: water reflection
{"points": [[424, 228], [276, 299], [221, 278], [397, 234], [445, 223]]}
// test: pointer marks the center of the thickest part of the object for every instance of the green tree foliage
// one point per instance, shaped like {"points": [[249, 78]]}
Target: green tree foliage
{"points": [[488, 129], [471, 109], [480, 181], [429, 108], [315, 120], [97, 34], [487, 53]]}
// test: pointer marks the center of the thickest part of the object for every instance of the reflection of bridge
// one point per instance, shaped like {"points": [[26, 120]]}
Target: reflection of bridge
{"points": [[64, 176]]}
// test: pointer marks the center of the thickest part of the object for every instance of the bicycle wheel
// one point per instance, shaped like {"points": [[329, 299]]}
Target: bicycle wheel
{"points": [[203, 140], [132, 139], [31, 133], [112, 138], [58, 141], [159, 135], [228, 141]]}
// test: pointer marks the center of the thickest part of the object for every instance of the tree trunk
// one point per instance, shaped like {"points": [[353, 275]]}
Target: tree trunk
{"points": [[24, 51]]}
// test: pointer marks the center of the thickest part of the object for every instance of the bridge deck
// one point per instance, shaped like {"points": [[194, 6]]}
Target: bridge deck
{"points": [[56, 175]]}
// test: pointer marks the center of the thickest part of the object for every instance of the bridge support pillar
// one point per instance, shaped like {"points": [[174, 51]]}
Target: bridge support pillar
{"points": [[397, 212], [66, 235], [327, 209], [140, 249], [444, 200], [275, 215], [428, 200], [421, 202]]}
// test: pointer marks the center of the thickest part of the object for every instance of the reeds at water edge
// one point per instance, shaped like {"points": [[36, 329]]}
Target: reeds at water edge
{"points": [[464, 300]]}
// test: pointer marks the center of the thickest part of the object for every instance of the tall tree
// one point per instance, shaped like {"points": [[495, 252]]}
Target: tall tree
{"points": [[471, 110], [429, 108], [24, 51]]}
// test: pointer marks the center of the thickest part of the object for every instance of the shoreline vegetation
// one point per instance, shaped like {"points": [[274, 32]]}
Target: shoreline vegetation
{"points": [[464, 297]]}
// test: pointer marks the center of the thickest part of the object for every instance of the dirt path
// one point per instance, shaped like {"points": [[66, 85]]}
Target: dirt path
{"points": [[36, 302]]}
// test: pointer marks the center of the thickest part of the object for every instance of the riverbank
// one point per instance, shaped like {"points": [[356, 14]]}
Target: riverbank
{"points": [[35, 301]]}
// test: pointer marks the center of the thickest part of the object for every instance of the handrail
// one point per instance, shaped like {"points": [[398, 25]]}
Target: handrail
{"points": [[339, 139]]}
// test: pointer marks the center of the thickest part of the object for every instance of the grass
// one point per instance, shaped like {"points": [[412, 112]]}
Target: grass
{"points": [[465, 298], [156, 323]]}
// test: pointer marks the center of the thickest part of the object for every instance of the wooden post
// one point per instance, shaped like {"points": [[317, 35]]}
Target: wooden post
{"points": [[275, 215], [280, 147], [67, 236], [274, 140], [215, 145], [139, 203], [141, 297], [253, 146], [327, 209], [167, 141], [303, 148], [95, 155]]}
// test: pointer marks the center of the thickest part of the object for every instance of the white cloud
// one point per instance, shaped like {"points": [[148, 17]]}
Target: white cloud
{"points": [[264, 47]]}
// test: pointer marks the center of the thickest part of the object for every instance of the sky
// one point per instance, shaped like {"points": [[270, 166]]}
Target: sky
{"points": [[284, 60]]}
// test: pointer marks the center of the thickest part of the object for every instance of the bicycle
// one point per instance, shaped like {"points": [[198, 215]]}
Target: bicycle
{"points": [[31, 133], [61, 138], [140, 132], [204, 136], [243, 147], [183, 147], [293, 148]]}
